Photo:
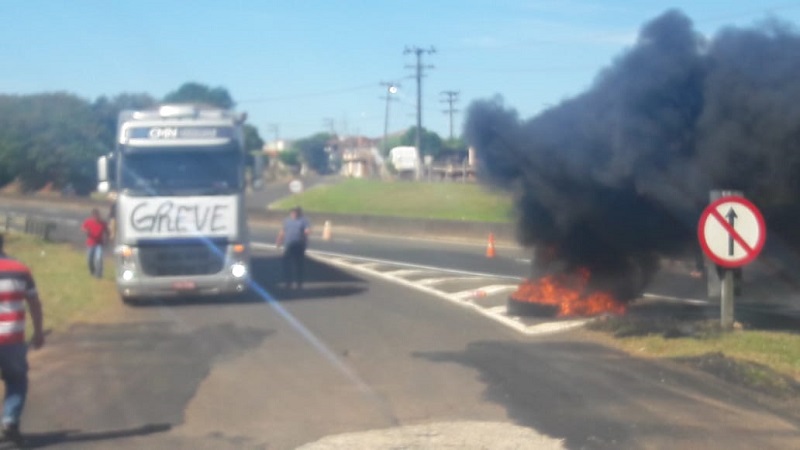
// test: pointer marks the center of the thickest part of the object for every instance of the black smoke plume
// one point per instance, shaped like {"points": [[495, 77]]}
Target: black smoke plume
{"points": [[615, 178]]}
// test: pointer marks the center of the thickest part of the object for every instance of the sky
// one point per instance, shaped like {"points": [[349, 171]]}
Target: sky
{"points": [[305, 66]]}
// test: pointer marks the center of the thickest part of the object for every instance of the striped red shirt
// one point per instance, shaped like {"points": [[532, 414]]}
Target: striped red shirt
{"points": [[16, 284]]}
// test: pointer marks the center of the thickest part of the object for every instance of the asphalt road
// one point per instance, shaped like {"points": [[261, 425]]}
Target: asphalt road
{"points": [[360, 360]]}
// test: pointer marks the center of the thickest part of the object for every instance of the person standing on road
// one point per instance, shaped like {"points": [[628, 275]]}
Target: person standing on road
{"points": [[294, 237], [16, 289], [96, 233]]}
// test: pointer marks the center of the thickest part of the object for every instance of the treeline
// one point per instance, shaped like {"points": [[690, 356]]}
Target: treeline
{"points": [[53, 139]]}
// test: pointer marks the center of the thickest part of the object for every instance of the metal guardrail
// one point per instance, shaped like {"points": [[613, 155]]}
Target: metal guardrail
{"points": [[28, 224]]}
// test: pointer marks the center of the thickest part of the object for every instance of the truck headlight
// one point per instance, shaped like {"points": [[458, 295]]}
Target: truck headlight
{"points": [[128, 274], [124, 250], [238, 270]]}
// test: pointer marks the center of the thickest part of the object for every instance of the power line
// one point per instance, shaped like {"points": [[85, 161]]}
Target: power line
{"points": [[343, 90], [451, 97], [420, 68], [330, 124]]}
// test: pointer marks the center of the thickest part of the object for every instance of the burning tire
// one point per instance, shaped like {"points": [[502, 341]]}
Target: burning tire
{"points": [[523, 308]]}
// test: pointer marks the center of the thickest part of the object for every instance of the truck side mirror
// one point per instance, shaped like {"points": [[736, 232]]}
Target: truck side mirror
{"points": [[103, 186]]}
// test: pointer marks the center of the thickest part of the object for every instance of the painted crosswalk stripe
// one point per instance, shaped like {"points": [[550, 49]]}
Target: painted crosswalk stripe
{"points": [[405, 272], [441, 280], [484, 291]]}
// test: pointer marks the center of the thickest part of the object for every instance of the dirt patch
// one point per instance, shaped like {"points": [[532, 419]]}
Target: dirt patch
{"points": [[754, 376], [13, 188], [667, 327], [763, 362]]}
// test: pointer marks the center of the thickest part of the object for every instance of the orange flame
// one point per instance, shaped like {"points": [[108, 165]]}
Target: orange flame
{"points": [[569, 294]]}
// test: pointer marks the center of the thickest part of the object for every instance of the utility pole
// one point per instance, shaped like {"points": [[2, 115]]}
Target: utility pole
{"points": [[276, 130], [273, 151], [451, 98], [329, 124], [391, 88], [420, 68]]}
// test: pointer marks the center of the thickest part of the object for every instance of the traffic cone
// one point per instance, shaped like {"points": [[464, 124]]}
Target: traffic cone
{"points": [[326, 231], [490, 253]]}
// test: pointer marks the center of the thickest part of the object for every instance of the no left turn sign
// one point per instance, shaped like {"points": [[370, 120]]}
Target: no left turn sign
{"points": [[732, 231]]}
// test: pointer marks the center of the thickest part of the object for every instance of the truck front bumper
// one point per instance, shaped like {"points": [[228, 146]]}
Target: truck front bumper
{"points": [[205, 285]]}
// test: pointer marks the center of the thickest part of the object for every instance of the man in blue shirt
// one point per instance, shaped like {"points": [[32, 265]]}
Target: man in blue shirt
{"points": [[294, 237]]}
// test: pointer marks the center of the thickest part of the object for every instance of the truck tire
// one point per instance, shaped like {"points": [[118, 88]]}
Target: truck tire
{"points": [[128, 300]]}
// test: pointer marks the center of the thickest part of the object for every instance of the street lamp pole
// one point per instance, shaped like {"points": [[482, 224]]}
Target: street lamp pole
{"points": [[391, 88]]}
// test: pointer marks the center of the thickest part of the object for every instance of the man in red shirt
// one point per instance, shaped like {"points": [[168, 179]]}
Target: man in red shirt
{"points": [[96, 232], [17, 289]]}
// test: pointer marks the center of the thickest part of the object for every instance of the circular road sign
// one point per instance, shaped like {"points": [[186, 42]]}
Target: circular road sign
{"points": [[296, 186], [732, 231]]}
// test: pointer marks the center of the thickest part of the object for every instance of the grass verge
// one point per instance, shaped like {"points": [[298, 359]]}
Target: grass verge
{"points": [[766, 361], [67, 290], [446, 201]]}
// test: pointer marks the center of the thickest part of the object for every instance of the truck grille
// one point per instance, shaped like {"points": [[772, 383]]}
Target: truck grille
{"points": [[182, 257]]}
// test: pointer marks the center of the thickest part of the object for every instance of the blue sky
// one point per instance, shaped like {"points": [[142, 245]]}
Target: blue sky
{"points": [[296, 64]]}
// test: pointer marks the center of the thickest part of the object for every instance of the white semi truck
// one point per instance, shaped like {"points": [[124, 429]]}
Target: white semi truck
{"points": [[181, 226]]}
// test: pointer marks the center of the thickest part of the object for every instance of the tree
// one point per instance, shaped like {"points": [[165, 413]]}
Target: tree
{"points": [[393, 141], [107, 112], [431, 142], [49, 138], [289, 158], [192, 92], [313, 151], [252, 140]]}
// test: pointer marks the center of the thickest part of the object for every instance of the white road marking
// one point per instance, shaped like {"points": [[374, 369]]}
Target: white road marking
{"points": [[510, 322], [440, 280], [484, 291], [555, 327], [405, 272], [369, 265], [499, 309], [690, 301], [412, 266], [497, 313]]}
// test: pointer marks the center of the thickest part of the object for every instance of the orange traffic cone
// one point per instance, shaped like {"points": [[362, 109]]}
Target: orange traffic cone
{"points": [[490, 253], [326, 231]]}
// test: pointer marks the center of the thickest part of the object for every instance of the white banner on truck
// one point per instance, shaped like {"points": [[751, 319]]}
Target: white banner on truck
{"points": [[166, 217]]}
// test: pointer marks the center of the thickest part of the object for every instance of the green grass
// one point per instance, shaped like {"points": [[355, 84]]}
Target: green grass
{"points": [[447, 201], [67, 291], [779, 351]]}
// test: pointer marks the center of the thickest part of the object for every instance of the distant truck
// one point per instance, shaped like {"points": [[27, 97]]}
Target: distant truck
{"points": [[179, 173], [406, 161]]}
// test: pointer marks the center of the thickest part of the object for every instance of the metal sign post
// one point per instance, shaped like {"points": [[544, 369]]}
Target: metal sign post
{"points": [[732, 233], [726, 300]]}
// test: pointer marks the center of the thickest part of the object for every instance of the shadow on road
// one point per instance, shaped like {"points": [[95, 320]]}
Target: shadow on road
{"points": [[322, 281], [599, 398], [117, 376], [61, 437]]}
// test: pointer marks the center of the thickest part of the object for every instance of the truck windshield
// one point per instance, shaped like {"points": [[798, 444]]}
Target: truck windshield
{"points": [[171, 172]]}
